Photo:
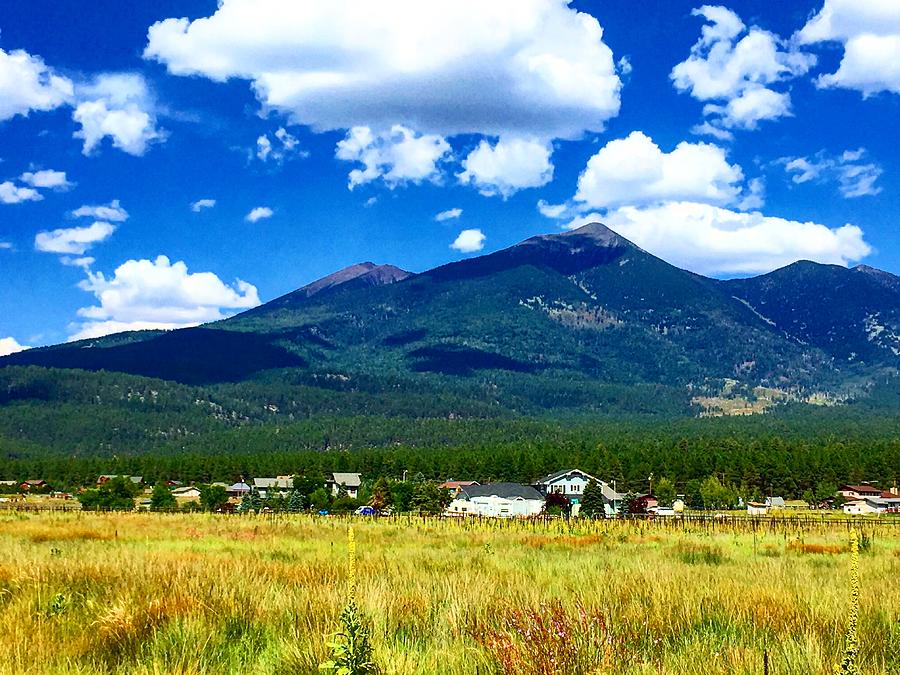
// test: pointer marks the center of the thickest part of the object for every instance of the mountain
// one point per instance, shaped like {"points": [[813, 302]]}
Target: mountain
{"points": [[584, 321]]}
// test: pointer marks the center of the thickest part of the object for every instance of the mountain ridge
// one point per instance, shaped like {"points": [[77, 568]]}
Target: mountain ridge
{"points": [[550, 321]]}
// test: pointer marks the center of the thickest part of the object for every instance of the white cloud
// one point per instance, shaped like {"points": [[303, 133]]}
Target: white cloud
{"points": [[27, 84], [551, 210], [396, 157], [870, 33], [736, 73], [73, 240], [201, 204], [522, 67], [285, 146], [9, 346], [112, 212], [511, 165], [259, 213], [634, 170], [118, 106], [6, 246], [10, 193], [713, 240], [47, 178], [469, 241], [448, 215], [144, 294], [84, 262], [854, 178]]}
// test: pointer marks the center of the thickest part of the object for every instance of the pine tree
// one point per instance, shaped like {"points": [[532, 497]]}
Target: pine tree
{"points": [[162, 499], [295, 502], [592, 502]]}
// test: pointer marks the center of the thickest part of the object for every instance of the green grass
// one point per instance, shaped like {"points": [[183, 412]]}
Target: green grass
{"points": [[146, 593]]}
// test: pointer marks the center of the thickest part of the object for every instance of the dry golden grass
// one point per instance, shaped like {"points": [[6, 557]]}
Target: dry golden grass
{"points": [[148, 593]]}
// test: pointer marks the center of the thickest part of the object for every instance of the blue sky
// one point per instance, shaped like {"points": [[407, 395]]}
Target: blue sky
{"points": [[728, 139]]}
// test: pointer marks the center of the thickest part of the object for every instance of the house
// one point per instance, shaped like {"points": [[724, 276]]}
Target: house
{"points": [[238, 489], [350, 482], [646, 503], [137, 480], [272, 486], [889, 504], [454, 486], [775, 503], [36, 484], [858, 491], [571, 484], [497, 500], [186, 493], [757, 508]]}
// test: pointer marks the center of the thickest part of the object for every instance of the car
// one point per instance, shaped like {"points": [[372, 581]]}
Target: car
{"points": [[365, 511]]}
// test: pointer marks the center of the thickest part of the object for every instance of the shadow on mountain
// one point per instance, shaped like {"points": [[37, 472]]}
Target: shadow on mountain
{"points": [[405, 337], [458, 360], [189, 356]]}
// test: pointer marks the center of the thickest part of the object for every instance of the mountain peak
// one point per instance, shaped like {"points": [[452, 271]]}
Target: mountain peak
{"points": [[365, 274]]}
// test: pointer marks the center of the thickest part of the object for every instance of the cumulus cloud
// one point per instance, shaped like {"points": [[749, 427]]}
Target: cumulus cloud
{"points": [[145, 294], [120, 107], [523, 67], [285, 146], [10, 193], [449, 214], [469, 241], [855, 177], [9, 346], [397, 157], [714, 240], [6, 246], [259, 213], [869, 30], [112, 212], [48, 179], [511, 165], [27, 83], [73, 240], [735, 75], [201, 204], [551, 210], [634, 170]]}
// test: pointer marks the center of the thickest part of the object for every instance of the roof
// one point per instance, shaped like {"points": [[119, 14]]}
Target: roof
{"points": [[861, 488], [110, 476], [185, 490], [347, 479], [238, 487], [503, 490], [266, 483], [453, 484], [35, 481], [775, 501], [553, 477]]}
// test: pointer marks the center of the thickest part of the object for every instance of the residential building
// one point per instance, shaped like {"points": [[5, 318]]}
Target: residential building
{"points": [[350, 482], [858, 491], [186, 493], [757, 508], [239, 489], [497, 500], [873, 505], [269, 487], [137, 480], [571, 484], [775, 503], [454, 486], [34, 484]]}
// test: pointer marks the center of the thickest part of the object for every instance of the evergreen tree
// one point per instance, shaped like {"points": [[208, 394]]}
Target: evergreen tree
{"points": [[592, 503], [381, 495], [213, 497], [295, 502], [665, 492], [162, 499]]}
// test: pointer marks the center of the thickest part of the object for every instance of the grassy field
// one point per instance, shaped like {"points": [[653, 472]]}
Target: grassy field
{"points": [[148, 593]]}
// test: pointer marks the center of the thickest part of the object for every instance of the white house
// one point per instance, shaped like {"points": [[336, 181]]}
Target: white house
{"points": [[757, 508], [571, 484], [349, 481], [188, 492], [281, 485], [873, 505], [497, 500]]}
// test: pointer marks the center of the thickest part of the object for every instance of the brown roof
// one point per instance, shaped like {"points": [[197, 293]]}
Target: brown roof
{"points": [[860, 488], [453, 484]]}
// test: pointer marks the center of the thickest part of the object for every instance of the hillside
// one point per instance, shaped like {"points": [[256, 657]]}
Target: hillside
{"points": [[582, 321]]}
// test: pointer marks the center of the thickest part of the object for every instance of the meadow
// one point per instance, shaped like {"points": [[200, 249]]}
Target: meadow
{"points": [[196, 593]]}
